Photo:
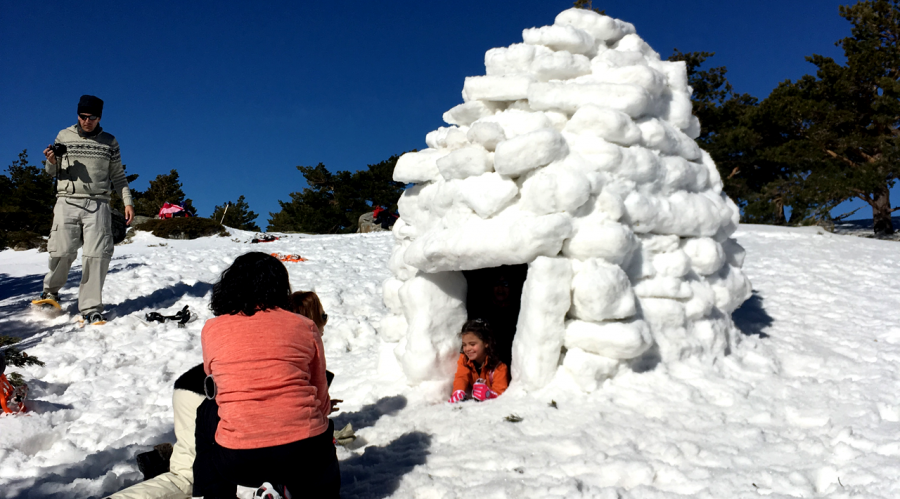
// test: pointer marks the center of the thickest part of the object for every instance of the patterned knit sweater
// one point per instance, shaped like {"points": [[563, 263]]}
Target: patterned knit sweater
{"points": [[92, 166]]}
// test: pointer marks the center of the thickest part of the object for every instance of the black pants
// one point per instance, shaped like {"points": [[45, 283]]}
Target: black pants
{"points": [[308, 468]]}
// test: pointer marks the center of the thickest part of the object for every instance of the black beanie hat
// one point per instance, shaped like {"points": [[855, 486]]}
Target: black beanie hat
{"points": [[88, 104]]}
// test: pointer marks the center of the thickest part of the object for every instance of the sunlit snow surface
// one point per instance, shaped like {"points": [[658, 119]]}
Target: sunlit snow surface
{"points": [[807, 406]]}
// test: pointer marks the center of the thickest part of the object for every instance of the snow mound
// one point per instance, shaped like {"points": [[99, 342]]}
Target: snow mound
{"points": [[573, 154]]}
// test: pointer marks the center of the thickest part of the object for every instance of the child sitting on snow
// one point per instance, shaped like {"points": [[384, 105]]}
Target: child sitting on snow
{"points": [[307, 304], [478, 367]]}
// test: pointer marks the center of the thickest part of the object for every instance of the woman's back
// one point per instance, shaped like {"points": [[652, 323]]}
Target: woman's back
{"points": [[269, 370]]}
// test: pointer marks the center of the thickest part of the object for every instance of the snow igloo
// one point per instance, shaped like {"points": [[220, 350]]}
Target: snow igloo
{"points": [[574, 155]]}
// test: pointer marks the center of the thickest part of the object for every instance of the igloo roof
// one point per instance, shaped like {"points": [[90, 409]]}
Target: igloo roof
{"points": [[580, 128]]}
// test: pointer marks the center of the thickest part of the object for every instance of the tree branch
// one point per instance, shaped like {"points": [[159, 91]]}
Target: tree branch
{"points": [[737, 169], [837, 156], [864, 196]]}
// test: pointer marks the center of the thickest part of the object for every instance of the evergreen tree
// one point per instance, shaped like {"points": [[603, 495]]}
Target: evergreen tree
{"points": [[26, 199], [333, 202], [163, 189], [236, 215], [840, 127]]}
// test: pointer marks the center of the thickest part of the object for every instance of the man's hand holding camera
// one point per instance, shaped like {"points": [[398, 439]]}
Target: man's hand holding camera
{"points": [[53, 151]]}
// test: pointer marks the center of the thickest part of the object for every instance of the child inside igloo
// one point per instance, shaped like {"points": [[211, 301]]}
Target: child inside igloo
{"points": [[575, 156]]}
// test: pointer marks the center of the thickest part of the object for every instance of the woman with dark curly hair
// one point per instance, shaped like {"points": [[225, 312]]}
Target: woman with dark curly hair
{"points": [[269, 421]]}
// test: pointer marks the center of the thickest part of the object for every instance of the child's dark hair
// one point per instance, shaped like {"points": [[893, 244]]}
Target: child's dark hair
{"points": [[254, 282], [481, 329]]}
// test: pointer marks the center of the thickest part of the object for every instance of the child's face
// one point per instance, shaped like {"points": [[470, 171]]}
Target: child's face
{"points": [[473, 347]]}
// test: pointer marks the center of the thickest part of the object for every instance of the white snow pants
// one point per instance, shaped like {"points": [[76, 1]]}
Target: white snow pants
{"points": [[80, 222]]}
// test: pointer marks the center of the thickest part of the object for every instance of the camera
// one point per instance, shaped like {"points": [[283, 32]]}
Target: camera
{"points": [[59, 150]]}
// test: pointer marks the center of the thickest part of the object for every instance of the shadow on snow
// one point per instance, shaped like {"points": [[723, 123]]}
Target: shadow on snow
{"points": [[751, 318]]}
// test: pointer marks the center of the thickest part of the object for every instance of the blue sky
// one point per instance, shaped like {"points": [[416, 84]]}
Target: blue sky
{"points": [[234, 95]]}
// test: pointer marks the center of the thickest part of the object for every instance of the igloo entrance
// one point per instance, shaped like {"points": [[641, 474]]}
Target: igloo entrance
{"points": [[495, 295], [574, 155]]}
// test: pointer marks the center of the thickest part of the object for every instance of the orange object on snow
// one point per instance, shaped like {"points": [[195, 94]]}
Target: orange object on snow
{"points": [[12, 399], [289, 258]]}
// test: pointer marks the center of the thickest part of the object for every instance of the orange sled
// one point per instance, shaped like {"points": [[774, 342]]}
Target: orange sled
{"points": [[12, 399], [289, 258]]}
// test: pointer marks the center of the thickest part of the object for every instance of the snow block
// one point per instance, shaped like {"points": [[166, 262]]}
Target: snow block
{"points": [[601, 291], [645, 77], [597, 25], [496, 88], [707, 256], [487, 134], [541, 327], [465, 162], [512, 239], [415, 167], [600, 238], [589, 370], [515, 122], [488, 193], [469, 112], [522, 154], [614, 340], [555, 189], [568, 97], [612, 126], [513, 60], [434, 306], [568, 38], [559, 66]]}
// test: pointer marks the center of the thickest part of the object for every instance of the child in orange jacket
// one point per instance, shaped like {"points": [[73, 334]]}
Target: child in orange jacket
{"points": [[478, 368]]}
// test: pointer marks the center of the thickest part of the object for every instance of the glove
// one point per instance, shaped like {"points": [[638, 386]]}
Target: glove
{"points": [[457, 396], [481, 392]]}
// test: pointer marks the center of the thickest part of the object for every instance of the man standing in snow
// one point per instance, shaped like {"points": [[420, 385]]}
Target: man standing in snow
{"points": [[88, 169]]}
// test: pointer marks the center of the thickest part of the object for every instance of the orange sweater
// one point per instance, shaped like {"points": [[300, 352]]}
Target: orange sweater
{"points": [[466, 375], [269, 370]]}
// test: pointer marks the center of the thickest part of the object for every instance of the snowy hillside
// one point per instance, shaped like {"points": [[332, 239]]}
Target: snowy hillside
{"points": [[806, 406]]}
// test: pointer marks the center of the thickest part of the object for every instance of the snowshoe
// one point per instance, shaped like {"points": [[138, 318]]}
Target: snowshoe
{"points": [[183, 316], [47, 303], [93, 319]]}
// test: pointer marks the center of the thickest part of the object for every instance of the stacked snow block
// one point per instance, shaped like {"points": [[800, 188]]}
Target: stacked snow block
{"points": [[574, 154]]}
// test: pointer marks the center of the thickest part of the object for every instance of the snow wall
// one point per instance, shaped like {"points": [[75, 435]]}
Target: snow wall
{"points": [[575, 155]]}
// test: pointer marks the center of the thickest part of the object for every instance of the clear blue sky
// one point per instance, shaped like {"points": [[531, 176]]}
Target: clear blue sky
{"points": [[234, 95]]}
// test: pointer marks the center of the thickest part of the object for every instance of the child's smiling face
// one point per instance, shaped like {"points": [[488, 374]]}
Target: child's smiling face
{"points": [[473, 347]]}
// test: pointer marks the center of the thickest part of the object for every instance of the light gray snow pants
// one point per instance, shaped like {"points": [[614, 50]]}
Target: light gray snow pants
{"points": [[77, 222]]}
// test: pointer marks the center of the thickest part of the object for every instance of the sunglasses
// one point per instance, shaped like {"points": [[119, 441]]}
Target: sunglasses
{"points": [[85, 117], [324, 317]]}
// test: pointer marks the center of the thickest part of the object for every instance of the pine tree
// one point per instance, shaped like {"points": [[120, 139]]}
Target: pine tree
{"points": [[163, 189], [333, 202], [236, 215], [840, 127], [26, 199]]}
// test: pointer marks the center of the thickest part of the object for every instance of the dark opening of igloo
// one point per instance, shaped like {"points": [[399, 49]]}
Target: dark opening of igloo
{"points": [[495, 295]]}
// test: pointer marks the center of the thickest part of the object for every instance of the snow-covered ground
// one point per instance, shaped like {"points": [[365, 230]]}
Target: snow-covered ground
{"points": [[806, 406]]}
